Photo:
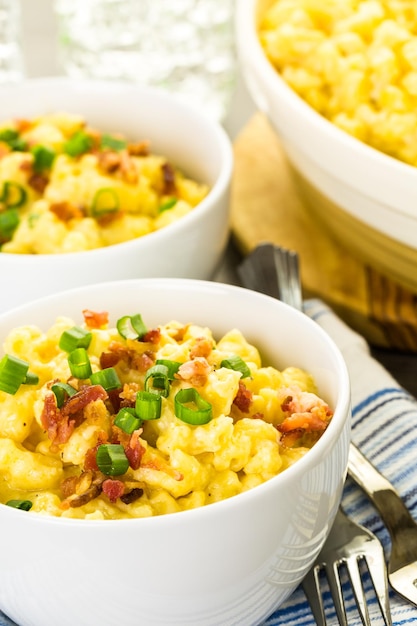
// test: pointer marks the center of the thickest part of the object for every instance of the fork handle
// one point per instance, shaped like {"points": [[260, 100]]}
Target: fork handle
{"points": [[381, 492]]}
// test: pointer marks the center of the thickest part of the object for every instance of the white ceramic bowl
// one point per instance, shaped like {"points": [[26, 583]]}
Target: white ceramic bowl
{"points": [[231, 562], [366, 198], [190, 247]]}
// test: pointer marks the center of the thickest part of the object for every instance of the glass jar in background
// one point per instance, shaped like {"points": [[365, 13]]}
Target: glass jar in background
{"points": [[11, 55], [183, 46]]}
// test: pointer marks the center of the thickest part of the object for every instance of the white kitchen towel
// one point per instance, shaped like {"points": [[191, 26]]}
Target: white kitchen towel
{"points": [[385, 429]]}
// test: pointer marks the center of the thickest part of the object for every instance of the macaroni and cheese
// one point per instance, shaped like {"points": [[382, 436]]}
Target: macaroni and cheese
{"points": [[66, 187], [101, 422]]}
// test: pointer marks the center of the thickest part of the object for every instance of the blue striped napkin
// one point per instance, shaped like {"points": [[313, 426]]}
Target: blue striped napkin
{"points": [[385, 429]]}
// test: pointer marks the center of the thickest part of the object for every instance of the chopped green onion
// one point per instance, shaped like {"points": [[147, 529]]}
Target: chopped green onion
{"points": [[168, 204], [79, 363], [9, 221], [172, 366], [148, 405], [107, 378], [13, 373], [24, 505], [78, 144], [8, 134], [114, 143], [157, 380], [75, 337], [236, 363], [131, 327], [43, 158], [111, 459], [31, 379], [105, 201], [62, 391], [13, 139], [191, 408], [13, 194], [127, 420]]}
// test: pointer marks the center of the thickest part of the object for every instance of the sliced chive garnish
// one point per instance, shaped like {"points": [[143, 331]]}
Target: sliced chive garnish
{"points": [[78, 144], [43, 158], [111, 459], [62, 391], [112, 142], [13, 194], [13, 372], [172, 366], [236, 363], [31, 379], [9, 221], [105, 201], [191, 408], [107, 378], [75, 337], [79, 363], [127, 420], [24, 505], [157, 380], [148, 405], [168, 204], [131, 326]]}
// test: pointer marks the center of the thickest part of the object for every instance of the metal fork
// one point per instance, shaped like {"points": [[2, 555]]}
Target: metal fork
{"points": [[275, 271]]}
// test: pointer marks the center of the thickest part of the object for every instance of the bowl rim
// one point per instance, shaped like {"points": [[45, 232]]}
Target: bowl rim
{"points": [[397, 173], [216, 191], [342, 410]]}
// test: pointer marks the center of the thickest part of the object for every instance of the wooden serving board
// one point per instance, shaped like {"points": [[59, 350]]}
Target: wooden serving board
{"points": [[266, 207]]}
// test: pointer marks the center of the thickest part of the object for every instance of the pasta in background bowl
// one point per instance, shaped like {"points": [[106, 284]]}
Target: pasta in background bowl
{"points": [[197, 564], [345, 156]]}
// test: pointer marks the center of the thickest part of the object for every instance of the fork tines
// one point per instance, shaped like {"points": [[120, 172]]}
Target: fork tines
{"points": [[356, 550]]}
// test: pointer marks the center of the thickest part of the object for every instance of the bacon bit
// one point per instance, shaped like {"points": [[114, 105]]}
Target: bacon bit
{"points": [[38, 182], [139, 361], [58, 428], [65, 211], [128, 395], [202, 347], [132, 495], [68, 486], [113, 489], [152, 336], [307, 413], [23, 125], [258, 416], [141, 148], [243, 399], [109, 161], [128, 170], [79, 401], [90, 461], [195, 371], [290, 439], [168, 174], [311, 422], [93, 319], [26, 166], [109, 359], [135, 450]]}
